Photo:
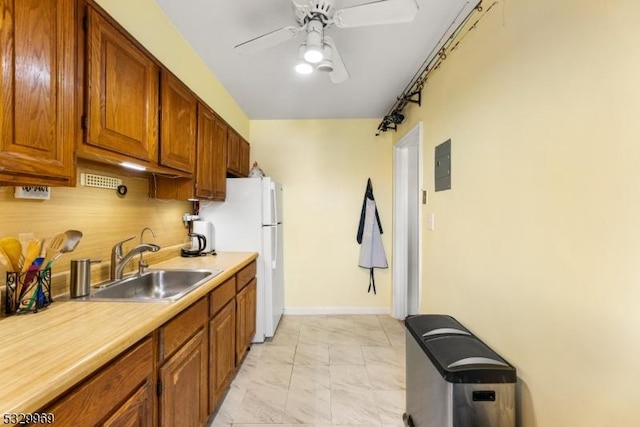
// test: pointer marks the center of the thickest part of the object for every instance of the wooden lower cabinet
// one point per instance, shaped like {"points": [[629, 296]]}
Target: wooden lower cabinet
{"points": [[246, 318], [120, 394], [135, 411], [222, 356], [183, 374], [183, 401]]}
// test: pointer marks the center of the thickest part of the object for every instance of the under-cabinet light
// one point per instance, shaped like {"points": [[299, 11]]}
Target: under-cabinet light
{"points": [[134, 166]]}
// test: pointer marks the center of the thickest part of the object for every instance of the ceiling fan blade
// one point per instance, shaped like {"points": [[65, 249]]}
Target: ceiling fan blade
{"points": [[340, 72], [268, 40], [376, 13]]}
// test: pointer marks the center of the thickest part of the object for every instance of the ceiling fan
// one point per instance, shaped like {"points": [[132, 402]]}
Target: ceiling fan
{"points": [[313, 17]]}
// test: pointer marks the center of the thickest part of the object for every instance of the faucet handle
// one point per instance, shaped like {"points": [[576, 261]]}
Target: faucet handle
{"points": [[118, 246]]}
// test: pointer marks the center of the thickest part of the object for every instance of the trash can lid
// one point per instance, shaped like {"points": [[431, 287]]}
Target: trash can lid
{"points": [[466, 359], [433, 325]]}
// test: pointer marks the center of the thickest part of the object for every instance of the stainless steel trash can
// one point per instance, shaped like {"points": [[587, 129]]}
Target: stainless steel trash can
{"points": [[453, 378]]}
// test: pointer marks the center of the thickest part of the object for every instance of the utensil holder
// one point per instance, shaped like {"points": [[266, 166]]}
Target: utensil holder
{"points": [[27, 291]]}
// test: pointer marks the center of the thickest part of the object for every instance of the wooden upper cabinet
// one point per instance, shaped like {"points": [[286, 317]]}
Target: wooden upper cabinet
{"points": [[122, 85], [237, 155], [244, 157], [205, 147], [38, 115], [220, 160], [178, 134], [233, 152], [211, 155]]}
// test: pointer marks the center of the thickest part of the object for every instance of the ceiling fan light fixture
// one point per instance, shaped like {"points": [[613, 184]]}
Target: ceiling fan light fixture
{"points": [[314, 43], [302, 66], [326, 64]]}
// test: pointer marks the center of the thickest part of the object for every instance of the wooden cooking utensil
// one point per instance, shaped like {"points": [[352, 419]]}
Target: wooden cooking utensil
{"points": [[12, 251], [52, 247]]}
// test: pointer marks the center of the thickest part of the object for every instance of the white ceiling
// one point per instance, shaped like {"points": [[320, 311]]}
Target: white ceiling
{"points": [[381, 60]]}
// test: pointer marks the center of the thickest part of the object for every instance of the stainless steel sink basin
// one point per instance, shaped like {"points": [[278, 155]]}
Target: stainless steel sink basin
{"points": [[153, 286]]}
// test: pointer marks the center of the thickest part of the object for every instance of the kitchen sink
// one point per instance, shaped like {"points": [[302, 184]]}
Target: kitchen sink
{"points": [[153, 286]]}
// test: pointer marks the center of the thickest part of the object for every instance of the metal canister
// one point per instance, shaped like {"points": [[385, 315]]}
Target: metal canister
{"points": [[80, 281]]}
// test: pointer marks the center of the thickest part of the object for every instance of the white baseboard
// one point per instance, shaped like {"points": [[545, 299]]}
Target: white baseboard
{"points": [[298, 311]]}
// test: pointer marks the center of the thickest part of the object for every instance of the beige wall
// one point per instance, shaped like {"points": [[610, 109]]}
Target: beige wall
{"points": [[146, 21], [536, 247], [323, 166]]}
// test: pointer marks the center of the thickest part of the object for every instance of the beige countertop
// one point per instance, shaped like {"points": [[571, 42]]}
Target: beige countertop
{"points": [[46, 353]]}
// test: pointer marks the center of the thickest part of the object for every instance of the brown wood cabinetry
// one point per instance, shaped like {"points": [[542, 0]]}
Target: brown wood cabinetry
{"points": [[222, 355], [38, 114], [183, 372], [245, 151], [246, 318], [245, 309], [238, 151], [233, 152], [179, 112], [211, 156], [184, 385], [122, 94], [119, 394], [222, 340]]}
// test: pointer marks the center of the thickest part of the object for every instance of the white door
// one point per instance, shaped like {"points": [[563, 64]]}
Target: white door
{"points": [[407, 176]]}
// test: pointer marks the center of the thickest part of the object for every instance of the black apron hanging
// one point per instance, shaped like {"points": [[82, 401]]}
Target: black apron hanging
{"points": [[370, 237]]}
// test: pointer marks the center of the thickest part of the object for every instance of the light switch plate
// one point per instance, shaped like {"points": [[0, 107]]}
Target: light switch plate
{"points": [[39, 193]]}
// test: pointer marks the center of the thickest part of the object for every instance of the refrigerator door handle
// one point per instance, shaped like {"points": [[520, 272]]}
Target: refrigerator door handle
{"points": [[274, 203], [274, 248]]}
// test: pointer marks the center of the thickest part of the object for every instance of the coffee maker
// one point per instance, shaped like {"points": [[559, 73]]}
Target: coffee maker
{"points": [[199, 236]]}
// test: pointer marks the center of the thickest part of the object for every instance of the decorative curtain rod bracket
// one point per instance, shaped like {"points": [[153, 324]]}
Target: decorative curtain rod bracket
{"points": [[410, 97]]}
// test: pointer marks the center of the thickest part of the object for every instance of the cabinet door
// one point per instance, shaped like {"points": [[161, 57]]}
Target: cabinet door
{"points": [[38, 116], [184, 396], [241, 323], [246, 318], [219, 160], [136, 411], [244, 158], [222, 353], [204, 153], [108, 393], [179, 112], [233, 152], [251, 312], [122, 85]]}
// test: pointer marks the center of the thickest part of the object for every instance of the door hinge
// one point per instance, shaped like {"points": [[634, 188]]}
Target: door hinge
{"points": [[159, 388], [85, 23], [84, 122]]}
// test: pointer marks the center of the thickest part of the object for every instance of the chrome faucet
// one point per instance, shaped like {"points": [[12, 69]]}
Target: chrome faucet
{"points": [[119, 261], [142, 264]]}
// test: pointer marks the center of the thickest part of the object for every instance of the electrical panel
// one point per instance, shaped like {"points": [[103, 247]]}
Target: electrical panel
{"points": [[443, 166]]}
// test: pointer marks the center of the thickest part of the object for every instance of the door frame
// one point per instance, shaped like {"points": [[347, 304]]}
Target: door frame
{"points": [[401, 221]]}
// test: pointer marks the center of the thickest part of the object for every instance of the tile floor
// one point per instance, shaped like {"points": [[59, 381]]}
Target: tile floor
{"points": [[321, 371]]}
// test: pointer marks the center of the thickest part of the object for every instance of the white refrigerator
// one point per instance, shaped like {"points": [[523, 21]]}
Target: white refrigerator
{"points": [[250, 219]]}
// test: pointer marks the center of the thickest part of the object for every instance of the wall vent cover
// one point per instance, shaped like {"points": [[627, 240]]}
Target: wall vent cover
{"points": [[99, 181]]}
